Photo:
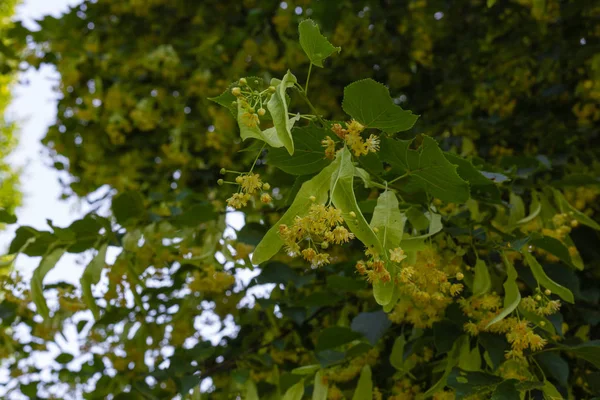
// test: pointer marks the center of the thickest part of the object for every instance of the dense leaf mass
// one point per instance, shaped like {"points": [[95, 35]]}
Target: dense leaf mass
{"points": [[450, 256]]}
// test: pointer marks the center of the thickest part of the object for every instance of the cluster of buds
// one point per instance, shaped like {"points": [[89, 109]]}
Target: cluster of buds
{"points": [[249, 185], [352, 136], [540, 303], [252, 101], [321, 227]]}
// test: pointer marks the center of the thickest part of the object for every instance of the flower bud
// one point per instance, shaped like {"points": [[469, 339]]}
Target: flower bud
{"points": [[538, 297], [460, 276], [239, 179], [236, 91], [265, 198], [547, 292], [542, 323], [324, 245], [261, 111], [243, 81], [223, 171], [220, 182], [266, 186], [375, 229], [313, 198], [272, 89], [352, 214]]}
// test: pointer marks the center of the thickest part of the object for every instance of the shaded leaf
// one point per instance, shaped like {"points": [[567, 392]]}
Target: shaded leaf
{"points": [[512, 296], [369, 102], [372, 325], [37, 285], [336, 336], [482, 283], [545, 281], [91, 275], [309, 155], [315, 45]]}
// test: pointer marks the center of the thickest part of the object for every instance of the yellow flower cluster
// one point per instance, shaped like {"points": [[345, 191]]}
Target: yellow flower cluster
{"points": [[426, 289], [210, 280], [345, 373], [540, 304], [405, 389], [351, 135], [249, 184], [519, 332], [582, 196], [321, 227]]}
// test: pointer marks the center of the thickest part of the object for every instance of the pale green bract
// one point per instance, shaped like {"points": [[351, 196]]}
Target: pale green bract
{"points": [[91, 275], [426, 168], [364, 388], [320, 389], [512, 296], [482, 283], [277, 106], [315, 45], [295, 392], [37, 285], [369, 102], [545, 281]]}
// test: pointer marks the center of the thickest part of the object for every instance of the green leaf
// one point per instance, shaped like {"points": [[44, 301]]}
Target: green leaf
{"points": [[469, 360], [512, 295], [545, 281], [517, 209], [320, 388], [269, 135], [306, 370], [251, 392], [451, 362], [6, 217], [64, 358], [566, 207], [369, 102], [128, 207], [91, 275], [506, 391], [557, 248], [318, 187], [364, 388], [37, 285], [295, 392], [589, 351], [537, 320], [435, 225], [482, 283], [490, 3], [534, 209], [277, 106], [482, 187], [309, 155], [388, 220], [372, 325], [343, 197], [550, 392], [195, 215], [397, 354], [336, 336], [427, 168], [226, 99], [555, 366], [315, 45]]}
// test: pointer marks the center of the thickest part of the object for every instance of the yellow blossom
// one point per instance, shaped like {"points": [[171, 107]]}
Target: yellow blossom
{"points": [[397, 255]]}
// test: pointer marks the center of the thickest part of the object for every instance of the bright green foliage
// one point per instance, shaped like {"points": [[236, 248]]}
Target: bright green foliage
{"points": [[315, 45], [433, 298]]}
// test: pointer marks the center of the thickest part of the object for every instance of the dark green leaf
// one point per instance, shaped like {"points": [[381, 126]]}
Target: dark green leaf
{"points": [[37, 286], [336, 336], [309, 154], [128, 207], [6, 217], [372, 325], [369, 102]]}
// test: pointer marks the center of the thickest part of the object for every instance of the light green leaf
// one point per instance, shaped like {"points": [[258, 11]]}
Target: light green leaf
{"points": [[482, 283], [469, 360], [37, 285], [318, 186], [427, 169], [369, 102], [397, 354], [566, 207], [517, 209], [91, 275], [269, 135], [435, 225], [550, 392], [545, 281], [277, 106], [342, 195], [388, 220], [295, 392], [320, 388], [306, 370], [512, 296], [364, 389], [315, 45], [534, 209], [309, 155], [251, 392]]}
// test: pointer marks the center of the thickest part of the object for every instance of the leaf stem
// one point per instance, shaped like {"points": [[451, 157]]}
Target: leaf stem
{"points": [[307, 79], [310, 105], [257, 156]]}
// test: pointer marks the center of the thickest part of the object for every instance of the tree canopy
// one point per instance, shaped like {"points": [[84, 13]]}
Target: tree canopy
{"points": [[417, 180]]}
